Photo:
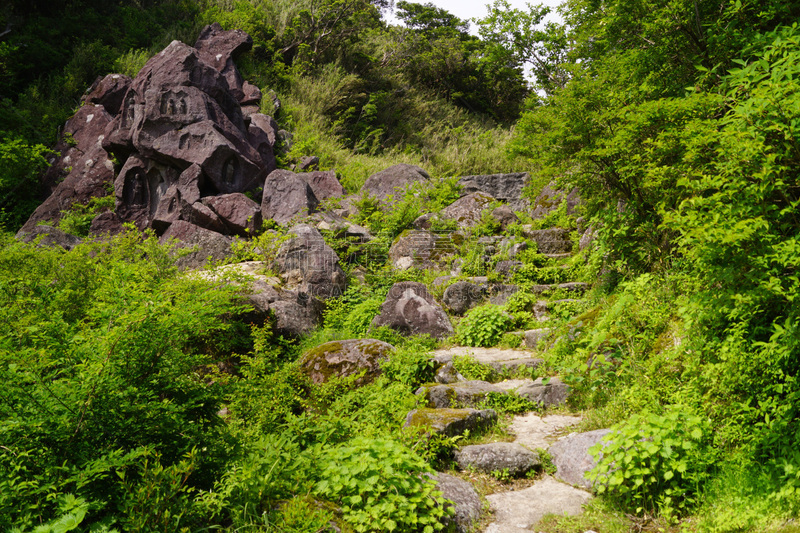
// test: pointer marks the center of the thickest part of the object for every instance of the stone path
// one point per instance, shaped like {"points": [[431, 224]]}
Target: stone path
{"points": [[517, 511]]}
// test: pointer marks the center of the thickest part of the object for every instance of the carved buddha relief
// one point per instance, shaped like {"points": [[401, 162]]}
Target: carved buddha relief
{"points": [[230, 171], [129, 113], [135, 192]]}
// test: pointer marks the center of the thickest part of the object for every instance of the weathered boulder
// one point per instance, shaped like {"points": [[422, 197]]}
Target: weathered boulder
{"points": [[451, 422], [346, 358], [291, 313], [497, 456], [106, 223], [82, 170], [551, 198], [550, 241], [323, 183], [504, 187], [458, 394], [205, 244], [49, 236], [305, 262], [420, 249], [571, 456], [287, 196], [108, 91], [219, 48], [411, 310], [308, 162], [464, 498], [393, 180], [587, 238], [554, 392], [462, 296], [467, 210], [505, 216], [239, 214]]}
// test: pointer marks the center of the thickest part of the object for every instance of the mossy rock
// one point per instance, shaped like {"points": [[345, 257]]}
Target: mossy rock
{"points": [[451, 422], [346, 358]]}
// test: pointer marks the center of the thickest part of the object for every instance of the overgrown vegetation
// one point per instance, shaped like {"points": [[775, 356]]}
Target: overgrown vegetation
{"points": [[676, 121]]}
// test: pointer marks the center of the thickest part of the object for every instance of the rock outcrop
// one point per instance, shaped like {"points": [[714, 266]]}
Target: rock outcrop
{"points": [[411, 310], [180, 135], [346, 358], [393, 180], [497, 456], [504, 187], [571, 456], [309, 265]]}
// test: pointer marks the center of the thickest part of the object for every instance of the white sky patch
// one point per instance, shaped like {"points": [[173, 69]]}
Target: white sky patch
{"points": [[469, 9]]}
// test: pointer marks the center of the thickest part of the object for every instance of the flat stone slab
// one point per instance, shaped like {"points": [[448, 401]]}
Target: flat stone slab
{"points": [[534, 431], [571, 456], [450, 422], [497, 456], [460, 394], [496, 358], [517, 511]]}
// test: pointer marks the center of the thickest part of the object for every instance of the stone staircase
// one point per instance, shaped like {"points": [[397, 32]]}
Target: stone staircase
{"points": [[454, 404]]}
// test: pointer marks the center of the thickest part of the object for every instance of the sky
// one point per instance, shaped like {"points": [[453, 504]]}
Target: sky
{"points": [[467, 9]]}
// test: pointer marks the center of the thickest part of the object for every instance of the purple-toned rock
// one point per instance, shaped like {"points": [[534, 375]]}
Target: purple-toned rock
{"points": [[49, 236], [240, 214], [206, 245], [393, 180], [497, 456], [109, 92], [306, 263], [466, 503], [287, 196], [345, 358], [81, 171], [107, 223], [323, 183], [308, 162], [411, 310], [219, 48]]}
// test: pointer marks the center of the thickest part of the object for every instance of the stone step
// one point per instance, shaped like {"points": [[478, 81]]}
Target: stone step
{"points": [[572, 458], [558, 256], [450, 422], [518, 511], [499, 359], [511, 457], [534, 431], [575, 286]]}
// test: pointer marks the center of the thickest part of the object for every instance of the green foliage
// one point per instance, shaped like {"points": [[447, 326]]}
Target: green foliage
{"points": [[410, 365], [20, 164], [78, 219], [470, 368], [653, 462], [509, 403], [483, 326], [380, 487], [103, 352]]}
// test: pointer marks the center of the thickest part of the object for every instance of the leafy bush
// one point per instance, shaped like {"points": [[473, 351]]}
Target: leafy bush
{"points": [[380, 486], [509, 403], [470, 368], [78, 219], [483, 326], [654, 462], [410, 365]]}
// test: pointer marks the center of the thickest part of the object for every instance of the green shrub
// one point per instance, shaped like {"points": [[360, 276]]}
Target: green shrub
{"points": [[410, 365], [470, 368], [509, 403], [380, 486], [654, 462], [78, 219], [483, 326]]}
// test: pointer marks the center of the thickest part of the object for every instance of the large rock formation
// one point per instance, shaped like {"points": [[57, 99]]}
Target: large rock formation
{"points": [[178, 134], [393, 180], [504, 187], [306, 263]]}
